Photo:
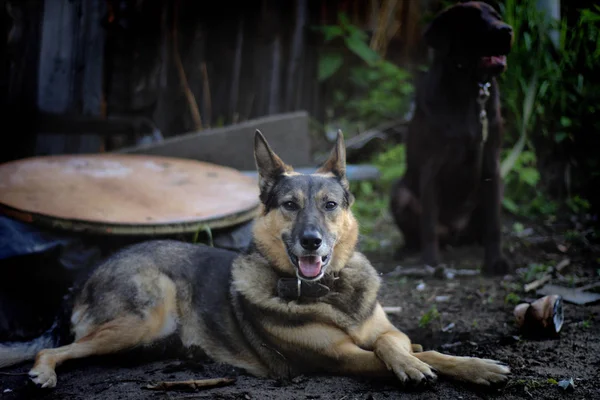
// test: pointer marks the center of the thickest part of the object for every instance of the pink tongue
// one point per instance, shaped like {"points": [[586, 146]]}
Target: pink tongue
{"points": [[493, 60], [310, 266]]}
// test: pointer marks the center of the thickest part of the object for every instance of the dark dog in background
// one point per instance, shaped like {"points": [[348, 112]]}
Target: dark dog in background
{"points": [[452, 187]]}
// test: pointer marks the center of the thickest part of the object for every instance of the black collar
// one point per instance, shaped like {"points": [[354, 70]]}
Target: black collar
{"points": [[296, 289]]}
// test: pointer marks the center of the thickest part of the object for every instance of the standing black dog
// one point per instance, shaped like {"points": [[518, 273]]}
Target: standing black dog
{"points": [[452, 186]]}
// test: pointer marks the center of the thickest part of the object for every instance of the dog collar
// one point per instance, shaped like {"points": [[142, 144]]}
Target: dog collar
{"points": [[296, 289], [482, 98]]}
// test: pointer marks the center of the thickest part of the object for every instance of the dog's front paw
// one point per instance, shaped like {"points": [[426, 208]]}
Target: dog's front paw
{"points": [[482, 371], [43, 376], [497, 266], [410, 370]]}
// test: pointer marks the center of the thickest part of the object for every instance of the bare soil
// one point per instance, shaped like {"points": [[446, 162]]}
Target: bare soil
{"points": [[477, 306]]}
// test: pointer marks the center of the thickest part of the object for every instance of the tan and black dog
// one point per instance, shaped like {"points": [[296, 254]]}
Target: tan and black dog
{"points": [[302, 301]]}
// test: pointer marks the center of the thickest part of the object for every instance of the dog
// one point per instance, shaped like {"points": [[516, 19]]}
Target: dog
{"points": [[452, 188], [301, 300]]}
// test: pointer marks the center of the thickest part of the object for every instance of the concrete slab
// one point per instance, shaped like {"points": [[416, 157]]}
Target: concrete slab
{"points": [[232, 146]]}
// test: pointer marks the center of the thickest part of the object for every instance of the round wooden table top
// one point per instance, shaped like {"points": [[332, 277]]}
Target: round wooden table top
{"points": [[126, 193]]}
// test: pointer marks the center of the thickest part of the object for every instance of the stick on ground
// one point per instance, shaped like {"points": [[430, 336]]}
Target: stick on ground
{"points": [[193, 384]]}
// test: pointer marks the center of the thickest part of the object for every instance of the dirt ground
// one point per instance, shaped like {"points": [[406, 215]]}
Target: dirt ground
{"points": [[478, 308]]}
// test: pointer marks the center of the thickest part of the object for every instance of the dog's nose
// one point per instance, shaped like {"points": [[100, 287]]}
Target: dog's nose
{"points": [[311, 240], [506, 30]]}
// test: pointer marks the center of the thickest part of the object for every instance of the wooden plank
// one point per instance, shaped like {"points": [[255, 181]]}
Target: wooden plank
{"points": [[233, 145]]}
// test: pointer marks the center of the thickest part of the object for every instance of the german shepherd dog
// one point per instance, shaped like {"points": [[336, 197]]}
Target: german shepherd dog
{"points": [[301, 301], [452, 188]]}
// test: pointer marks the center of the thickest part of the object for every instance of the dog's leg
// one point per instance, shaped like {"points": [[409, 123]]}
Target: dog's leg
{"points": [[111, 337], [121, 333], [491, 197], [392, 347], [429, 215], [405, 209], [467, 369], [391, 356]]}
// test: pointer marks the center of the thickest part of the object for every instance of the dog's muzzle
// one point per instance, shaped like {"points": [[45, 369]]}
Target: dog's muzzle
{"points": [[309, 267]]}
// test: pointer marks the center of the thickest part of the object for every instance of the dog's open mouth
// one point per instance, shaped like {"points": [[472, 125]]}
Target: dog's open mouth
{"points": [[310, 267], [493, 62]]}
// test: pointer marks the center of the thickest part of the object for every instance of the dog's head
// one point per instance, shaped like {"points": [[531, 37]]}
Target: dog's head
{"points": [[306, 226], [473, 34]]}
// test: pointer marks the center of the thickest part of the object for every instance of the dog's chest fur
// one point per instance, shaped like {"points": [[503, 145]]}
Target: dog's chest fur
{"points": [[269, 322]]}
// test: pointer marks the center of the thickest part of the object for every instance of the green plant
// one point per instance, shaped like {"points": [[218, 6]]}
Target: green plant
{"points": [[512, 299], [550, 94], [372, 197], [577, 204], [431, 315], [586, 324], [520, 179], [373, 89], [535, 271]]}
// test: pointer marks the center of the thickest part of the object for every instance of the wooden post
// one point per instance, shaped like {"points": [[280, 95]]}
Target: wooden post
{"points": [[237, 69], [296, 55], [274, 98], [70, 70]]}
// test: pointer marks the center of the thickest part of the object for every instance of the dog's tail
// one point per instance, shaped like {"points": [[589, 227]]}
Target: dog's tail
{"points": [[12, 353]]}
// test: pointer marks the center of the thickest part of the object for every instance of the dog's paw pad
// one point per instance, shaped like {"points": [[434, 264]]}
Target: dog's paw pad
{"points": [[43, 377]]}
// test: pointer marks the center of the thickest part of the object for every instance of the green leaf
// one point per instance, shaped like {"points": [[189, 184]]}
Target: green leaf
{"points": [[361, 49], [518, 227], [509, 161], [331, 32], [366, 188], [529, 175], [565, 122], [329, 63], [343, 19], [560, 136], [510, 205]]}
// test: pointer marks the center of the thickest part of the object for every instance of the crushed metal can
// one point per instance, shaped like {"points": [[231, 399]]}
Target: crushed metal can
{"points": [[542, 318]]}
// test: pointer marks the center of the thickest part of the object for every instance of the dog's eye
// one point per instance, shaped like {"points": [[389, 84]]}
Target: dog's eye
{"points": [[330, 205], [290, 206]]}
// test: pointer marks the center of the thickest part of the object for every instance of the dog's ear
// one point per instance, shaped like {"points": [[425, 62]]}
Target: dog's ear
{"points": [[436, 32], [268, 164], [336, 163]]}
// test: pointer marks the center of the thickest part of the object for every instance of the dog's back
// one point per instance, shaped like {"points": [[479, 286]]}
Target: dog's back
{"points": [[169, 285]]}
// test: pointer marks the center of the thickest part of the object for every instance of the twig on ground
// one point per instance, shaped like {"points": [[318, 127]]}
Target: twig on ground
{"points": [[417, 272], [536, 284], [590, 286], [193, 384]]}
